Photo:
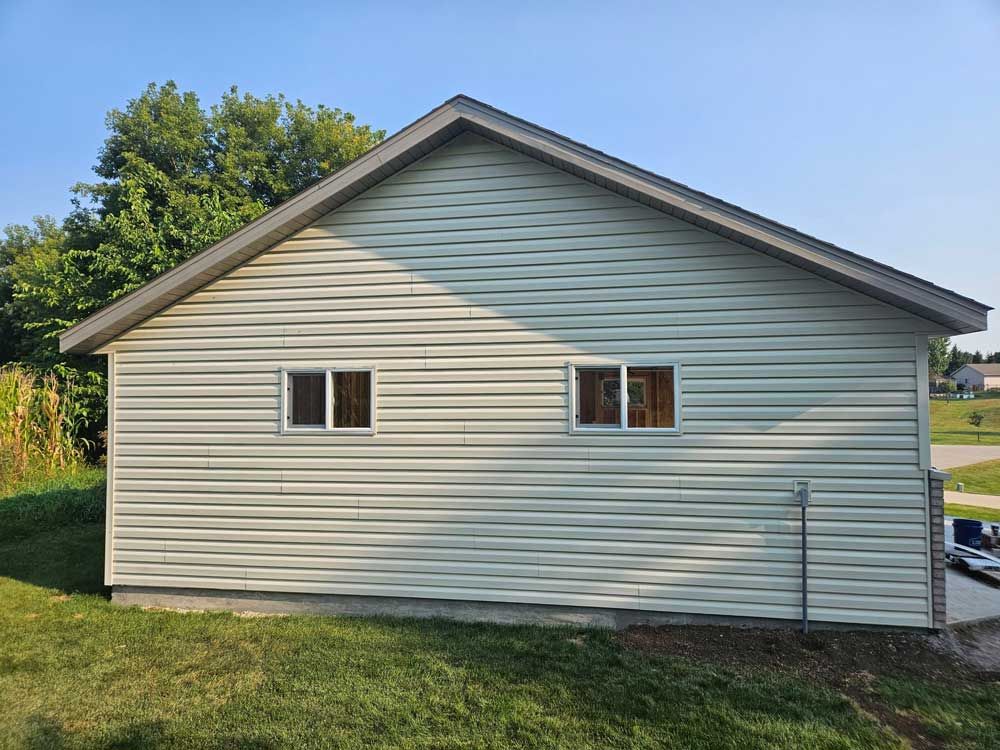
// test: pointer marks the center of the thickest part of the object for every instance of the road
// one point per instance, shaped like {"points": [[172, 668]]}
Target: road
{"points": [[950, 456]]}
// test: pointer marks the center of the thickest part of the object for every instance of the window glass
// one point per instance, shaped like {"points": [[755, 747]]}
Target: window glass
{"points": [[598, 401], [651, 397], [352, 394], [307, 399]]}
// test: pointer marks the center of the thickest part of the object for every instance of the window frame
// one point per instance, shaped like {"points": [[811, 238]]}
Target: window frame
{"points": [[326, 428], [623, 428]]}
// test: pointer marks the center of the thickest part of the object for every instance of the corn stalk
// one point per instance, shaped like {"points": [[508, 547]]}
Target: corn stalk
{"points": [[39, 426]]}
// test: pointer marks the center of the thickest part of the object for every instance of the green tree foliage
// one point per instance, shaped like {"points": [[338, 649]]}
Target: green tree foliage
{"points": [[173, 179], [177, 178], [937, 355], [27, 253], [957, 359]]}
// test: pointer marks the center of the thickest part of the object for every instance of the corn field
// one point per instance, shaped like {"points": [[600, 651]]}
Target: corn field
{"points": [[40, 425]]}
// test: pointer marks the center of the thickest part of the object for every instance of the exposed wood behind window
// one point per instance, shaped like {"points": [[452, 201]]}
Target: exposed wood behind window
{"points": [[595, 408], [658, 408], [351, 399], [308, 398]]}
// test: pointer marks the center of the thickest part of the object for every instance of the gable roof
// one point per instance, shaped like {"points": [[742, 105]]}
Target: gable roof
{"points": [[989, 370], [955, 312]]}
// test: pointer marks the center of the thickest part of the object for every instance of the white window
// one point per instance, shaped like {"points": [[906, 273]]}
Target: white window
{"points": [[651, 401], [328, 399]]}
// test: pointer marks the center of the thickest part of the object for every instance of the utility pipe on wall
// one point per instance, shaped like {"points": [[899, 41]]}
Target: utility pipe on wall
{"points": [[802, 493]]}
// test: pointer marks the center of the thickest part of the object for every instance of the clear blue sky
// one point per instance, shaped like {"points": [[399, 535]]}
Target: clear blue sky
{"points": [[874, 125]]}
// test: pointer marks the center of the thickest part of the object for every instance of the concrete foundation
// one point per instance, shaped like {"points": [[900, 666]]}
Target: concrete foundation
{"points": [[466, 611]]}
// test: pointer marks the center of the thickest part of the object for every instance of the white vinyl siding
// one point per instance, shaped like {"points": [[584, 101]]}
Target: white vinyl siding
{"points": [[471, 280]]}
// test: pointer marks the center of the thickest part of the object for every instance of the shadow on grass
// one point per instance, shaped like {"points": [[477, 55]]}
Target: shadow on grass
{"points": [[217, 681], [66, 501], [222, 681], [52, 532], [965, 437], [68, 558], [46, 734]]}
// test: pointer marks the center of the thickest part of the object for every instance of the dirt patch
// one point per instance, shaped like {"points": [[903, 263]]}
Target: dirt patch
{"points": [[823, 655], [850, 662]]}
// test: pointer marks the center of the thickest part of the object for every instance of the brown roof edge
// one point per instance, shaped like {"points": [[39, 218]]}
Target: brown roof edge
{"points": [[989, 369], [956, 312]]}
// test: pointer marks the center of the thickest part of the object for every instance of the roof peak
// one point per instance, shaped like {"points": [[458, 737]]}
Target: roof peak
{"points": [[953, 312]]}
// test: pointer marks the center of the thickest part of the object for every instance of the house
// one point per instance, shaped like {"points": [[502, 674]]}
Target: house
{"points": [[977, 377], [485, 371], [937, 381]]}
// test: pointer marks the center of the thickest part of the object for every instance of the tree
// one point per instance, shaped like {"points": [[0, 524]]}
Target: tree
{"points": [[177, 178], [27, 255], [976, 420], [266, 150], [173, 179], [957, 359], [937, 355]]}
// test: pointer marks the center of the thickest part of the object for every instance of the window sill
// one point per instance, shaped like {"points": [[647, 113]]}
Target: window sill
{"points": [[629, 431], [327, 431]]}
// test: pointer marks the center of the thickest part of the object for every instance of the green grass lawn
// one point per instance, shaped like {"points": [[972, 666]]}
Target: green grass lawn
{"points": [[981, 479], [79, 672], [950, 420], [975, 512]]}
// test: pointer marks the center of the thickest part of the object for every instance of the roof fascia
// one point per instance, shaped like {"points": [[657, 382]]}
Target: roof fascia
{"points": [[903, 290]]}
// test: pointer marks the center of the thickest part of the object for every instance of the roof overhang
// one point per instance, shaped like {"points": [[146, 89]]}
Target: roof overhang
{"points": [[957, 313]]}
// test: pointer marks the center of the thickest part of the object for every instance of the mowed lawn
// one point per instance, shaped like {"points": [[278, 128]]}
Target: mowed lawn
{"points": [[974, 512], [950, 420], [982, 478], [79, 672]]}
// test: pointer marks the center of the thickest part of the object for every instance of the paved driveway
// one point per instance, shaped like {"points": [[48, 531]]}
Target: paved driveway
{"points": [[950, 456], [967, 598]]}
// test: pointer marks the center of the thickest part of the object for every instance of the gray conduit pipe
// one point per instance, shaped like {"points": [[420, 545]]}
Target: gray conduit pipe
{"points": [[802, 491]]}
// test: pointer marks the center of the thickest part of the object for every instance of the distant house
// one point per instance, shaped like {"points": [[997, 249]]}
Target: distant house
{"points": [[486, 371], [938, 381], [977, 377]]}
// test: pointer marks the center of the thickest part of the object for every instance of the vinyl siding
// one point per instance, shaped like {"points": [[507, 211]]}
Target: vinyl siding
{"points": [[470, 280]]}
